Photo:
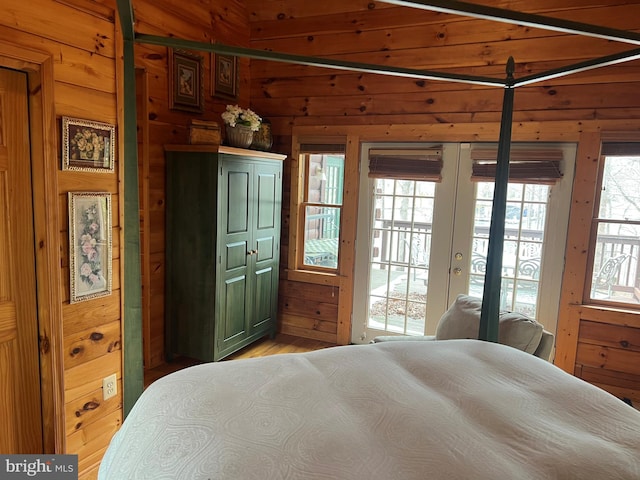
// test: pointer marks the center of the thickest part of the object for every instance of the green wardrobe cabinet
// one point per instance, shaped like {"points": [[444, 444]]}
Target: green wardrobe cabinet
{"points": [[222, 248]]}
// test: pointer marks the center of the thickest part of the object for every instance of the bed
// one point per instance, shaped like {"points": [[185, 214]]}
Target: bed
{"points": [[451, 409]]}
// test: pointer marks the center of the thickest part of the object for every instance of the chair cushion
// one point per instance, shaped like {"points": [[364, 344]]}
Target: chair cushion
{"points": [[462, 320]]}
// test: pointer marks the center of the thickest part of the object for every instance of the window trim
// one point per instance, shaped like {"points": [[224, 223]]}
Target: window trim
{"points": [[607, 149], [302, 148]]}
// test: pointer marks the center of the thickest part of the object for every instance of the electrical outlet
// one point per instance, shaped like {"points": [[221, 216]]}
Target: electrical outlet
{"points": [[109, 386]]}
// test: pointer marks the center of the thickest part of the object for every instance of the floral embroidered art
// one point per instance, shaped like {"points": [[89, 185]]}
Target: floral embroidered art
{"points": [[90, 268], [87, 145]]}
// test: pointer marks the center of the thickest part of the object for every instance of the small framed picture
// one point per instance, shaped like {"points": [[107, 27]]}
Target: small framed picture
{"points": [[90, 244], [186, 90], [224, 76], [88, 145]]}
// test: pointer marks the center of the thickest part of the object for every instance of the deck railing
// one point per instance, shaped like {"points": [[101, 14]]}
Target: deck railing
{"points": [[395, 236]]}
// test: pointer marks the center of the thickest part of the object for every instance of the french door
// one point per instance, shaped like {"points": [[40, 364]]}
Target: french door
{"points": [[421, 243]]}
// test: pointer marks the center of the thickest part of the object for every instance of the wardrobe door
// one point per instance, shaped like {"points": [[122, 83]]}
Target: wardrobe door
{"points": [[266, 234], [236, 247]]}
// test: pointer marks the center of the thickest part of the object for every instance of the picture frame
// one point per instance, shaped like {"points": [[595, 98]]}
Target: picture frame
{"points": [[224, 76], [90, 245], [87, 145], [186, 74]]}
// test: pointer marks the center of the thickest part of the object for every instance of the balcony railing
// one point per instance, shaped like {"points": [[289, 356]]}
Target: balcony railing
{"points": [[622, 283], [615, 269]]}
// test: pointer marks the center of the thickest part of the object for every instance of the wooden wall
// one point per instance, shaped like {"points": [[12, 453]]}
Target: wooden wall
{"points": [[308, 100], [82, 49], [207, 21]]}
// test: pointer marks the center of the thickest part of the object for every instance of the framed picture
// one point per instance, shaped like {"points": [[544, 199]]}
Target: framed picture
{"points": [[224, 76], [186, 90], [90, 245], [87, 145]]}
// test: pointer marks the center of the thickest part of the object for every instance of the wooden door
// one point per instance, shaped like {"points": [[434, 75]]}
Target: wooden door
{"points": [[21, 425]]}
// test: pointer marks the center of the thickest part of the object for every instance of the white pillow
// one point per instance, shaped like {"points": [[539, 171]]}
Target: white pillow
{"points": [[462, 320]]}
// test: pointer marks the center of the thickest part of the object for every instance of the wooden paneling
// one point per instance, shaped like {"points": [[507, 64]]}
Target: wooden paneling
{"points": [[87, 377], [79, 55], [170, 18], [89, 443], [610, 336], [381, 108], [91, 343], [82, 52], [389, 35], [73, 27], [613, 369], [90, 407]]}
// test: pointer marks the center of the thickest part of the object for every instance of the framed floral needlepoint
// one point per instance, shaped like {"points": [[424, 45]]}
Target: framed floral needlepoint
{"points": [[88, 146], [90, 245]]}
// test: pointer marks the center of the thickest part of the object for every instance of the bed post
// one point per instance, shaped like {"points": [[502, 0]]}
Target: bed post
{"points": [[132, 367], [493, 276]]}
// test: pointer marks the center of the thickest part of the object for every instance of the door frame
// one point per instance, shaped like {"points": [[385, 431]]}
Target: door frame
{"points": [[44, 165], [452, 232], [446, 194]]}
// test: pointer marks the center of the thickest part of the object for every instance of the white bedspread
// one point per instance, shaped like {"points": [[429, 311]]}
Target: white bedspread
{"points": [[455, 409]]}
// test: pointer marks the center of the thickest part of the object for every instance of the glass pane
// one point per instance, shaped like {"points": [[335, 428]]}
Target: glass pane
{"points": [[620, 197], [425, 189], [404, 187], [401, 242], [534, 216], [514, 191], [615, 266], [325, 178], [536, 193], [322, 231], [526, 297], [484, 191]]}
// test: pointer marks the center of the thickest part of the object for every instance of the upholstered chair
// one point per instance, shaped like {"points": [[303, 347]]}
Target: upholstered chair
{"points": [[462, 320]]}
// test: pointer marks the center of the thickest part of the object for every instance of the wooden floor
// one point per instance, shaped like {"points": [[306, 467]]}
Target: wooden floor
{"points": [[262, 348]]}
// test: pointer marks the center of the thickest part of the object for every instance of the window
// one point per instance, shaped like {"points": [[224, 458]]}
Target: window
{"points": [[615, 238], [321, 206]]}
